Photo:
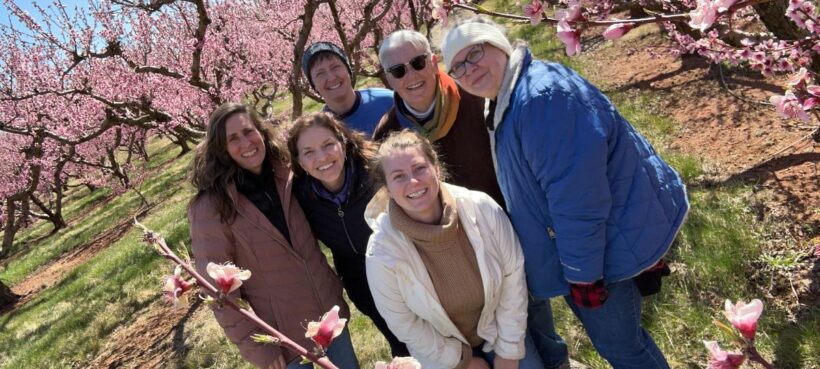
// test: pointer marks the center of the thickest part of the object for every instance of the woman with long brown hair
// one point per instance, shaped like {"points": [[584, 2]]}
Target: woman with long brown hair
{"points": [[332, 184], [244, 213]]}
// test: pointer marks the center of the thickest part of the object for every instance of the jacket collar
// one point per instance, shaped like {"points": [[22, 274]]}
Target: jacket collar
{"points": [[519, 61], [283, 179]]}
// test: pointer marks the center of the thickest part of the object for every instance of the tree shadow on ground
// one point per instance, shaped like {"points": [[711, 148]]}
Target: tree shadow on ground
{"points": [[767, 171]]}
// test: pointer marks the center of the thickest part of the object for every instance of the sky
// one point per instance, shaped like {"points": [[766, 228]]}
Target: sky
{"points": [[7, 19]]}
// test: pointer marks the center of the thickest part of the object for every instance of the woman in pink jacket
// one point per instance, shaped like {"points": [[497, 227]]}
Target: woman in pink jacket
{"points": [[244, 213]]}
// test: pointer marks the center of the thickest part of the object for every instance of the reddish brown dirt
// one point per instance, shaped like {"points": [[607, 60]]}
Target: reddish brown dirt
{"points": [[152, 340], [53, 272]]}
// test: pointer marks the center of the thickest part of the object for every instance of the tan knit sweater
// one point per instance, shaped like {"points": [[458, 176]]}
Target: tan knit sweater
{"points": [[451, 263]]}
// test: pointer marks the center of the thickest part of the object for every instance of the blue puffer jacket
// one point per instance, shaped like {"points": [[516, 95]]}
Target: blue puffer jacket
{"points": [[587, 194]]}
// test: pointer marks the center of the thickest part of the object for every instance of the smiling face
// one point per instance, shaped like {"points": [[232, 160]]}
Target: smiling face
{"points": [[244, 142], [322, 156], [483, 78], [417, 87], [412, 181], [332, 80]]}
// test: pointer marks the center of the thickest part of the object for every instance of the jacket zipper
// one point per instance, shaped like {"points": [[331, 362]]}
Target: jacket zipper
{"points": [[293, 252], [551, 232], [344, 226]]}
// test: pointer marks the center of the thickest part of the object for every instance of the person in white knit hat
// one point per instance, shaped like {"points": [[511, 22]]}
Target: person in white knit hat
{"points": [[594, 205]]}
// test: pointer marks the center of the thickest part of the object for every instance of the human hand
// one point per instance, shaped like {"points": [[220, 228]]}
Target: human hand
{"points": [[502, 363], [478, 363], [589, 295]]}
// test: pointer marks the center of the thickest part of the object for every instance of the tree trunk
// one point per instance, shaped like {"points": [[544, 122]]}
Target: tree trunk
{"points": [[10, 228], [297, 102], [6, 296], [773, 15]]}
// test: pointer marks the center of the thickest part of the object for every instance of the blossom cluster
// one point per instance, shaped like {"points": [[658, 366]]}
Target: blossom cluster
{"points": [[743, 318], [712, 29]]}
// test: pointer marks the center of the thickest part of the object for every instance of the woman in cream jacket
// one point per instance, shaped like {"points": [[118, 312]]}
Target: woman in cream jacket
{"points": [[444, 265]]}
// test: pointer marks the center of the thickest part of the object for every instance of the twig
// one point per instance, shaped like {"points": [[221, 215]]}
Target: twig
{"points": [[733, 93], [165, 251], [755, 356], [791, 145], [637, 21]]}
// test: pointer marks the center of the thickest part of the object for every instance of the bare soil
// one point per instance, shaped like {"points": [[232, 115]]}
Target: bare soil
{"points": [[152, 340]]}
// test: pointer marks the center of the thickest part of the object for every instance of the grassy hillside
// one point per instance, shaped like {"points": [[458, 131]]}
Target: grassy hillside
{"points": [[96, 307]]}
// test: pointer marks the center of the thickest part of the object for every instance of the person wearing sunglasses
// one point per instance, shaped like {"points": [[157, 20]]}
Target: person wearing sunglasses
{"points": [[595, 207], [428, 101], [327, 69]]}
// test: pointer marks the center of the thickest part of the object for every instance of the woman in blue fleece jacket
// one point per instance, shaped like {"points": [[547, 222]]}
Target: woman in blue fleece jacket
{"points": [[592, 202]]}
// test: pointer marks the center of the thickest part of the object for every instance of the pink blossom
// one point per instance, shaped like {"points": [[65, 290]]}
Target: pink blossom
{"points": [[744, 316], [721, 359], [811, 102], [571, 13], [175, 286], [724, 5], [534, 11], [440, 12], [227, 276], [323, 332], [704, 15], [798, 78], [616, 31], [399, 363], [788, 106], [570, 37]]}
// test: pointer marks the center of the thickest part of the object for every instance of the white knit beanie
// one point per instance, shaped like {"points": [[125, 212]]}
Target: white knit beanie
{"points": [[472, 33]]}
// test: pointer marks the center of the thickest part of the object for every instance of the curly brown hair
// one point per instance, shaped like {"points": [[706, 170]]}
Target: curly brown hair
{"points": [[213, 169], [356, 144]]}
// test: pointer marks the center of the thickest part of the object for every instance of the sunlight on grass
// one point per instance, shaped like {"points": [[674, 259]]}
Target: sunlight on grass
{"points": [[71, 320]]}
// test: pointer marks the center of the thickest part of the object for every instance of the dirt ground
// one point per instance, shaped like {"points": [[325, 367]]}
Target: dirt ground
{"points": [[741, 140]]}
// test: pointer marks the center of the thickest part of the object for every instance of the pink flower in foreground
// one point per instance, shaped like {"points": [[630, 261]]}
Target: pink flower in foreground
{"points": [[811, 102], [227, 276], [721, 359], [570, 37], [798, 78], [724, 5], [616, 31], [788, 106], [744, 316], [174, 287], [399, 363], [571, 13], [703, 16], [534, 11], [323, 332]]}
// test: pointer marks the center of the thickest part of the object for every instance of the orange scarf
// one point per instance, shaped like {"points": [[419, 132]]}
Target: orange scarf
{"points": [[444, 114]]}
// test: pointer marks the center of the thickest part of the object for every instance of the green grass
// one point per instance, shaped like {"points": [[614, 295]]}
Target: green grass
{"points": [[718, 255]]}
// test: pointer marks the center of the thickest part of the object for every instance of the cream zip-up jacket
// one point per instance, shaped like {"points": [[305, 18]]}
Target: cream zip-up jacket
{"points": [[407, 300]]}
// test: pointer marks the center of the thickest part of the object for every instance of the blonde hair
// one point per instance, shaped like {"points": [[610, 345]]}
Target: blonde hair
{"points": [[400, 140]]}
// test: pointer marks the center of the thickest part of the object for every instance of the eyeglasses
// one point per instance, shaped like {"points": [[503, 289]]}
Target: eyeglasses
{"points": [[399, 70], [473, 56]]}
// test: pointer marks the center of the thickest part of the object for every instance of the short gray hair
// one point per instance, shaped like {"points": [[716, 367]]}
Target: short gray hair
{"points": [[400, 38]]}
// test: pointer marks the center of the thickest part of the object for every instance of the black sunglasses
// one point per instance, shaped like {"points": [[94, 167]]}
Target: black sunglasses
{"points": [[399, 70]]}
